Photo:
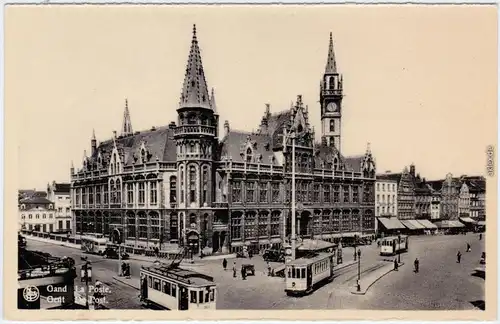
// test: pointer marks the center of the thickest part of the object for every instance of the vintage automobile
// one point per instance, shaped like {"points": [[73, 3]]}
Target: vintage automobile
{"points": [[249, 269], [112, 253], [274, 255]]}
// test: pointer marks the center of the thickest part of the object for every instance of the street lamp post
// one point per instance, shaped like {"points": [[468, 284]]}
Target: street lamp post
{"points": [[86, 274], [293, 238], [359, 269], [399, 254]]}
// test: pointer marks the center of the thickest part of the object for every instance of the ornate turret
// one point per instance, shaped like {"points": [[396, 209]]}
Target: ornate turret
{"points": [[127, 124], [93, 144], [194, 90], [331, 101]]}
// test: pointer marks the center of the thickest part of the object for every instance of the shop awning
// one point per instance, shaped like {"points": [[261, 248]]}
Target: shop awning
{"points": [[408, 224], [416, 224], [391, 223], [314, 245], [449, 224], [426, 223], [467, 220]]}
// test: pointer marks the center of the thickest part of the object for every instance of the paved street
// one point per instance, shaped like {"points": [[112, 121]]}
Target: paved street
{"points": [[441, 284]]}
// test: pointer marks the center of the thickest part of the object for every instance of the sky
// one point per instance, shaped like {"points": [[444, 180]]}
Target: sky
{"points": [[420, 82]]}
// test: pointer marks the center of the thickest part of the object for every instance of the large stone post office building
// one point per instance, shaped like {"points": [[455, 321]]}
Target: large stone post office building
{"points": [[188, 185]]}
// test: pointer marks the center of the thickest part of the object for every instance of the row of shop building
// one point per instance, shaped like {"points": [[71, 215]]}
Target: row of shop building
{"points": [[392, 226], [407, 196]]}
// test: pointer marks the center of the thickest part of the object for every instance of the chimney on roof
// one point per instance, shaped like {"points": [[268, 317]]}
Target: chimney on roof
{"points": [[226, 128], [388, 171], [114, 134], [412, 169]]}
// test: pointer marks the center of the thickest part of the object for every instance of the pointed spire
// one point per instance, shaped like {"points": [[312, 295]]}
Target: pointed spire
{"points": [[127, 124], [368, 149], [212, 101], [331, 64], [194, 90], [93, 134]]}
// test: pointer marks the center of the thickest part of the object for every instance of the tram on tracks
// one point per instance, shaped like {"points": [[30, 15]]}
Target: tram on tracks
{"points": [[170, 287], [304, 275], [393, 245], [94, 244]]}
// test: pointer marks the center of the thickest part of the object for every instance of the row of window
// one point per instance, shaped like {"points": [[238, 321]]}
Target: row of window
{"points": [[305, 192], [23, 206], [386, 210], [134, 192], [390, 187], [37, 216], [390, 198]]}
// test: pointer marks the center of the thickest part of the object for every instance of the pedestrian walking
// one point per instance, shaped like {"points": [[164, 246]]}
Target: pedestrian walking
{"points": [[234, 270], [468, 247], [416, 263], [396, 265], [268, 269], [243, 273], [459, 257], [480, 236], [224, 264]]}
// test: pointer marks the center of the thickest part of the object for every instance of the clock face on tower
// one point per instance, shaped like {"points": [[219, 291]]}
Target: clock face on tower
{"points": [[332, 107]]}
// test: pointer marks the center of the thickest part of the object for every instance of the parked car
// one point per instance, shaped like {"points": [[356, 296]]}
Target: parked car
{"points": [[240, 255], [112, 253], [249, 269], [274, 255], [483, 258]]}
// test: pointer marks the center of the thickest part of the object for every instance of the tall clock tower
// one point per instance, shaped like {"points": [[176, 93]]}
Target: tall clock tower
{"points": [[331, 101]]}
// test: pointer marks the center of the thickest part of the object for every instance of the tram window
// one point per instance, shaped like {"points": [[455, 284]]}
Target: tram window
{"points": [[200, 296], [289, 272], [293, 272], [174, 290], [156, 284], [169, 288], [212, 295], [207, 296], [303, 273], [150, 282], [193, 297]]}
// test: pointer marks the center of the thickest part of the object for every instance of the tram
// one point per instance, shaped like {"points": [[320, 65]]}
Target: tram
{"points": [[94, 244], [305, 274], [173, 288], [393, 245]]}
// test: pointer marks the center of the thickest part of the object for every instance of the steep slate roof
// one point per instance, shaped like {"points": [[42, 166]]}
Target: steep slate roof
{"points": [[234, 141], [435, 184], [390, 176], [159, 142], [353, 163], [62, 187], [275, 124], [36, 200], [195, 90]]}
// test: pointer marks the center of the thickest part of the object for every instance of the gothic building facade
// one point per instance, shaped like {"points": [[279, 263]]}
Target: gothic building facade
{"points": [[183, 184]]}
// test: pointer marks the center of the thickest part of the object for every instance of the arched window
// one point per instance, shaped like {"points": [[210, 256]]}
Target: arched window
{"points": [[332, 125], [192, 184], [118, 192], [182, 184], [335, 164], [112, 190], [249, 155], [173, 189], [205, 183], [331, 83]]}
